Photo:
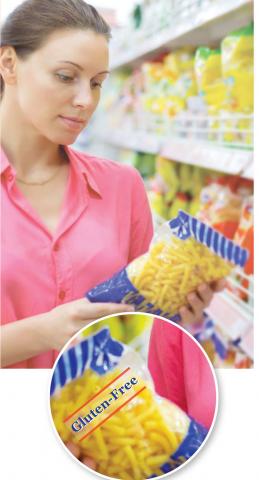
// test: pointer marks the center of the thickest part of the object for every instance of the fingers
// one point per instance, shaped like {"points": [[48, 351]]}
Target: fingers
{"points": [[196, 304], [205, 294], [188, 316], [89, 462], [74, 449], [219, 285], [94, 311], [200, 300]]}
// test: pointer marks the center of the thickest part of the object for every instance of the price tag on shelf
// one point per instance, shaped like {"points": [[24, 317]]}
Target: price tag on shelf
{"points": [[233, 320]]}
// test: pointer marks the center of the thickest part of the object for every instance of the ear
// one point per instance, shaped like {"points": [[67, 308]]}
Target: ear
{"points": [[8, 65]]}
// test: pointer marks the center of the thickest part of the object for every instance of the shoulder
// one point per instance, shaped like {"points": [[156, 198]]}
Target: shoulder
{"points": [[106, 169]]}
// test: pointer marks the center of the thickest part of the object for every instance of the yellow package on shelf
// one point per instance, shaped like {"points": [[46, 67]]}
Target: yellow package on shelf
{"points": [[209, 77], [238, 68]]}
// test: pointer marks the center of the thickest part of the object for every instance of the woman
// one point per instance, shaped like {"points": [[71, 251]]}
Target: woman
{"points": [[70, 220]]}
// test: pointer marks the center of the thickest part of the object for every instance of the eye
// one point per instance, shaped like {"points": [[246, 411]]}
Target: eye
{"points": [[96, 84], [64, 78]]}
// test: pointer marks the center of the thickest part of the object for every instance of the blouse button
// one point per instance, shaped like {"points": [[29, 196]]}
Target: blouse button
{"points": [[62, 295], [10, 177], [56, 247]]}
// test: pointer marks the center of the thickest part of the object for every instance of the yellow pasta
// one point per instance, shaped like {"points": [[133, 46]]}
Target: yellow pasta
{"points": [[135, 441], [172, 269]]}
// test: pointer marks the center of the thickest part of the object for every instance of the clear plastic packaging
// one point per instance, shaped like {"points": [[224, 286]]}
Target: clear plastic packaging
{"points": [[104, 404], [184, 254]]}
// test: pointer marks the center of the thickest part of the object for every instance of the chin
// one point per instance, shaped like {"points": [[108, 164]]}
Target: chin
{"points": [[63, 139]]}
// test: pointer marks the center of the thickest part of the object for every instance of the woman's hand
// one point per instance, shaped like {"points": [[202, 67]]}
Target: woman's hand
{"points": [[32, 336], [64, 321], [75, 450], [200, 300]]}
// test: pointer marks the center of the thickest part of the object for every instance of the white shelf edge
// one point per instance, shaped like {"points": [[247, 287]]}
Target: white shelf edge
{"points": [[194, 152], [162, 39], [232, 320]]}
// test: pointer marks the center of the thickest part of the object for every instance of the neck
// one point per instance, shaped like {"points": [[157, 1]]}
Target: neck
{"points": [[26, 149]]}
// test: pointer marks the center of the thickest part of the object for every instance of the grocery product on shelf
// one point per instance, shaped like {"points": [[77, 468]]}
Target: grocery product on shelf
{"points": [[226, 205], [209, 78], [222, 352], [168, 83], [204, 94], [177, 186], [237, 68], [199, 96], [149, 436], [245, 232], [221, 203], [145, 163], [238, 75], [184, 254]]}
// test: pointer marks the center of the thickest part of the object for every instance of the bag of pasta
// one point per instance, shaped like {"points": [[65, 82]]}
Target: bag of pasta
{"points": [[104, 408], [183, 254]]}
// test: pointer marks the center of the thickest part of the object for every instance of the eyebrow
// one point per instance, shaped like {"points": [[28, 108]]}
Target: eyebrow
{"points": [[81, 68]]}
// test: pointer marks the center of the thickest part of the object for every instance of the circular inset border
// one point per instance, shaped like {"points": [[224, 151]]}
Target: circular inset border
{"points": [[94, 472]]}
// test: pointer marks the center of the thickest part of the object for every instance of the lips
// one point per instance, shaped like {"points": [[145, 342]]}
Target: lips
{"points": [[73, 123]]}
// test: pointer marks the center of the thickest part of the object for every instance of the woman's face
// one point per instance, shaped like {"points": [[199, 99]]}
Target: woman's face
{"points": [[58, 86]]}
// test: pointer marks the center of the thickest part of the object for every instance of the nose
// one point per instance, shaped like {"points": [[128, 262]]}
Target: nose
{"points": [[84, 98]]}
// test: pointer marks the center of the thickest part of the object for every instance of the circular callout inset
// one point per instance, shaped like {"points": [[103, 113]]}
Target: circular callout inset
{"points": [[133, 396]]}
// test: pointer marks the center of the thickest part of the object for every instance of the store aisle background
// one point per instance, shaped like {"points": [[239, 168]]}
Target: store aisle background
{"points": [[183, 116]]}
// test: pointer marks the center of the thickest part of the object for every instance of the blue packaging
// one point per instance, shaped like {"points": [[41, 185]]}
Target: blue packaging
{"points": [[120, 289], [101, 354]]}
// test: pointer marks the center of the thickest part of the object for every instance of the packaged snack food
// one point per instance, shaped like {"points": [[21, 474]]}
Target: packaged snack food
{"points": [[184, 253], [158, 204], [237, 67], [220, 208], [214, 344], [244, 237], [103, 404], [245, 233], [180, 202], [209, 77]]}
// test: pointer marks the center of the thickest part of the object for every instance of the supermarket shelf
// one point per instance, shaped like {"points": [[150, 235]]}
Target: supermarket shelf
{"points": [[200, 26], [233, 315], [207, 155], [194, 152], [229, 316]]}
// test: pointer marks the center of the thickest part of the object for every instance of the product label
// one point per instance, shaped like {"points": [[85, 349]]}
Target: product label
{"points": [[99, 352], [110, 399]]}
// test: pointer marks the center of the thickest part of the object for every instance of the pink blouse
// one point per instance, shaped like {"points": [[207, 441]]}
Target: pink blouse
{"points": [[105, 223], [181, 372]]}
